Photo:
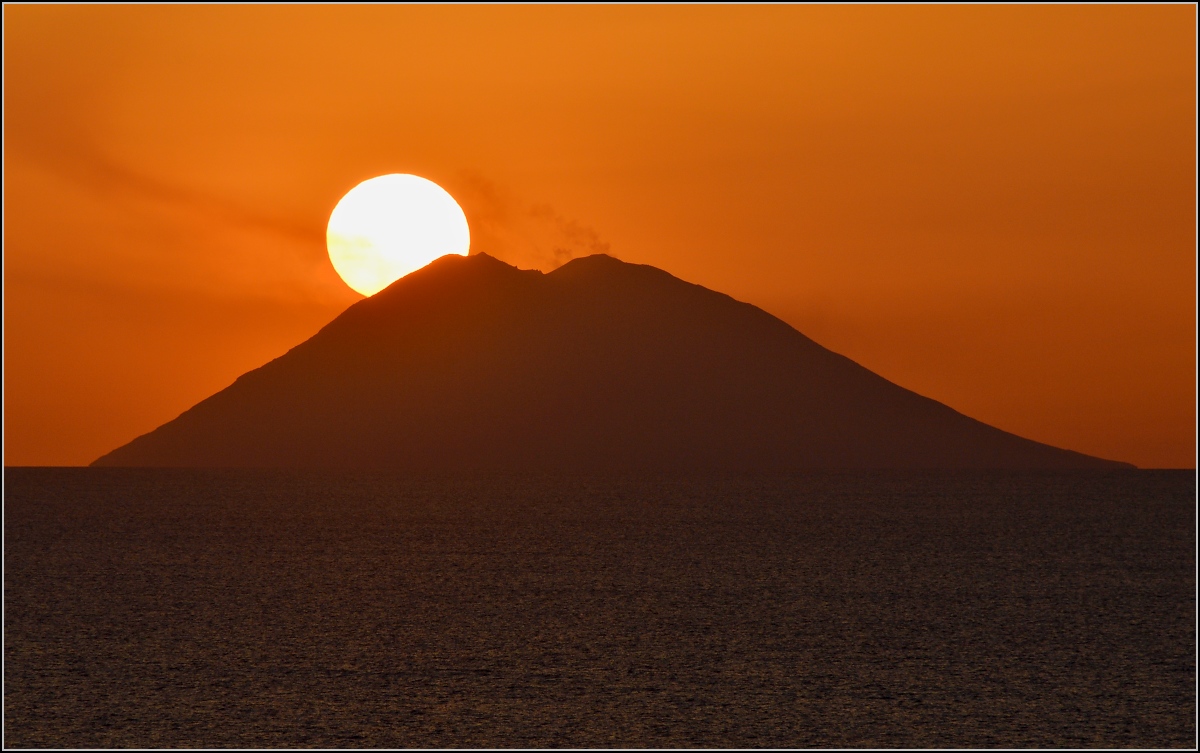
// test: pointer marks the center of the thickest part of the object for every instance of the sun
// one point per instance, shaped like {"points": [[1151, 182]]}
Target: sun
{"points": [[386, 227]]}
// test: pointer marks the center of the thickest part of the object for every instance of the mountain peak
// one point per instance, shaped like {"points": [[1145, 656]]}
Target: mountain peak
{"points": [[600, 365]]}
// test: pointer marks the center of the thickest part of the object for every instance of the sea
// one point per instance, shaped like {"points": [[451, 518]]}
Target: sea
{"points": [[206, 608]]}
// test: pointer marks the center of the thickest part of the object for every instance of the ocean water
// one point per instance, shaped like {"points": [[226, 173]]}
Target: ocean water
{"points": [[159, 608]]}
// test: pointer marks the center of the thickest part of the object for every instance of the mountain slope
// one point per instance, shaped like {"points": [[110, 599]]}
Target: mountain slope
{"points": [[600, 365]]}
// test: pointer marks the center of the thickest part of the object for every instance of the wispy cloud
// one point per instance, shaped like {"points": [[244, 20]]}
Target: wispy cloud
{"points": [[528, 235], [85, 216]]}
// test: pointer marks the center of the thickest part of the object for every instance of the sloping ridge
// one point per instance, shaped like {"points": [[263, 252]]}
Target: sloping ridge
{"points": [[600, 365]]}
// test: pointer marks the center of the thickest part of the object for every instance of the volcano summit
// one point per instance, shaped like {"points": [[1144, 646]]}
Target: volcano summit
{"points": [[600, 365]]}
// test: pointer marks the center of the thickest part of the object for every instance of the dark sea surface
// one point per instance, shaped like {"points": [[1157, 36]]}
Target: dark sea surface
{"points": [[160, 608]]}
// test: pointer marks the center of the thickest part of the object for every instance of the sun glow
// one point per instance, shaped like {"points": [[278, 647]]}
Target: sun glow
{"points": [[386, 227]]}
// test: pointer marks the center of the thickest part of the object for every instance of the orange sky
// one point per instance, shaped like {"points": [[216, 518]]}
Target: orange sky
{"points": [[993, 206]]}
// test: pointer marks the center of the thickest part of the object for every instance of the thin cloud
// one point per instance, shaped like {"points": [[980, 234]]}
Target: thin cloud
{"points": [[101, 174], [527, 235]]}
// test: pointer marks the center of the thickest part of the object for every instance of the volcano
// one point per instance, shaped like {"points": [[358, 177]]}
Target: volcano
{"points": [[600, 365]]}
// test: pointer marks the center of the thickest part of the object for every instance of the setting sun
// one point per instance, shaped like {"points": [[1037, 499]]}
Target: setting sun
{"points": [[386, 227]]}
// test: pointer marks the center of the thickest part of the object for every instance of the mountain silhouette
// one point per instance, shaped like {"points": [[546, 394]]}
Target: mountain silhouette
{"points": [[600, 365]]}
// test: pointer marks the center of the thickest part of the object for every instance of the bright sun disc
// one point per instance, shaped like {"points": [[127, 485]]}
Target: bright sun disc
{"points": [[386, 227]]}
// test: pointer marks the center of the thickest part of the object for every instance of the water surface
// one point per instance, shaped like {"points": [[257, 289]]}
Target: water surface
{"points": [[202, 608]]}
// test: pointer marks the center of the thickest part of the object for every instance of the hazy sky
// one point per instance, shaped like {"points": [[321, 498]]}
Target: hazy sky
{"points": [[993, 206]]}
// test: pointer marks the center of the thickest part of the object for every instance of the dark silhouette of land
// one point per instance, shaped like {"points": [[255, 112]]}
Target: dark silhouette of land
{"points": [[600, 365]]}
